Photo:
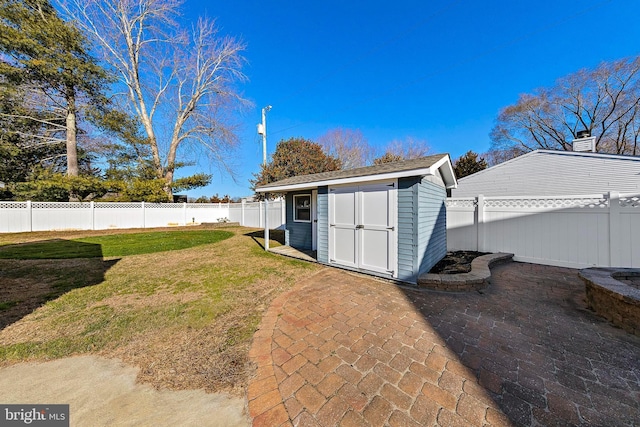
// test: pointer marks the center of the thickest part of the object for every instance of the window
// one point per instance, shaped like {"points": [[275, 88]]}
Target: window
{"points": [[302, 208]]}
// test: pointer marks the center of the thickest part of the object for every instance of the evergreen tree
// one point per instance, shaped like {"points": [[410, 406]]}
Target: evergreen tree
{"points": [[47, 59], [468, 164]]}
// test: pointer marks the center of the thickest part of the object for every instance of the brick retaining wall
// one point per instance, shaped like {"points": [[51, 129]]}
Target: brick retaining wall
{"points": [[612, 299]]}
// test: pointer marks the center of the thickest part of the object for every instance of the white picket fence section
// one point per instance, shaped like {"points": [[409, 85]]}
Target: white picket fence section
{"points": [[49, 216], [601, 230]]}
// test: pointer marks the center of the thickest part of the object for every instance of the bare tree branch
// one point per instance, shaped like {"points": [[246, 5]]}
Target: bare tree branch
{"points": [[604, 101], [349, 146], [183, 79]]}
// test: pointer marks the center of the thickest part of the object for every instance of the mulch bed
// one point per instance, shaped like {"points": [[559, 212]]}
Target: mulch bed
{"points": [[456, 262]]}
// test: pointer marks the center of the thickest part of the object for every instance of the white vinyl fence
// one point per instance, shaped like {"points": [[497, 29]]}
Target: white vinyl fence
{"points": [[252, 214], [45, 216], [600, 230]]}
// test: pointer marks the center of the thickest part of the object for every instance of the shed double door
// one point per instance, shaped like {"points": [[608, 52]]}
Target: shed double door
{"points": [[362, 227]]}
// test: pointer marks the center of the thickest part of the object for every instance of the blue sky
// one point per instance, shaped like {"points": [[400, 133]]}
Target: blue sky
{"points": [[433, 70]]}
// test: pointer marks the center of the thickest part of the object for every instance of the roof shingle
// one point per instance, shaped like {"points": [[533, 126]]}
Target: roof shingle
{"points": [[392, 167]]}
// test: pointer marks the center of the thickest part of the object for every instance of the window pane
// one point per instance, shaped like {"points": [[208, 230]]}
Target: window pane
{"points": [[302, 204], [303, 214], [303, 201]]}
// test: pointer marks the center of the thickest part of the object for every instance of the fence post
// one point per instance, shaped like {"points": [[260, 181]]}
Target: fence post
{"points": [[615, 257], [184, 213], [284, 211], [144, 215], [93, 215], [242, 213], [266, 222], [30, 215], [480, 223]]}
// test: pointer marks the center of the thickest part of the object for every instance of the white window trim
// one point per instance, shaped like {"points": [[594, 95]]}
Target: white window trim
{"points": [[295, 210]]}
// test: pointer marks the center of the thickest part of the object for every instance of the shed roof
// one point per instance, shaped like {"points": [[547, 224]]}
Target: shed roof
{"points": [[421, 166]]}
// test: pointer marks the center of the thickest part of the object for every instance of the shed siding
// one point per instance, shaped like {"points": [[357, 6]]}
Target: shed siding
{"points": [[407, 228], [323, 224], [544, 173], [432, 225], [299, 232]]}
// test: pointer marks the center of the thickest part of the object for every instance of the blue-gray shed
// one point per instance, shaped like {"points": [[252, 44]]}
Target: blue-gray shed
{"points": [[388, 220]]}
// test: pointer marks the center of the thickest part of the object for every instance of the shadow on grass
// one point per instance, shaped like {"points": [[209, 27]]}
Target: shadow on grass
{"points": [[32, 274], [51, 249], [114, 245], [276, 235]]}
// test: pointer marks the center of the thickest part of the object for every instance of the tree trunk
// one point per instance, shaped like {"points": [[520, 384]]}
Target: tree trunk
{"points": [[72, 141], [72, 130], [168, 178]]}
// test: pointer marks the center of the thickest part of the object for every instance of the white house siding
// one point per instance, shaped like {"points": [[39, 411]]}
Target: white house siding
{"points": [[554, 173]]}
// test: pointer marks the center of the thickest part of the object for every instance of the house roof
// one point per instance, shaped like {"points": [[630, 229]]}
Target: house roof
{"points": [[422, 166], [585, 154], [554, 173]]}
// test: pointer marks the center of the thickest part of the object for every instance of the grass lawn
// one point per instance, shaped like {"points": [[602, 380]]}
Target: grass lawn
{"points": [[181, 304], [112, 245]]}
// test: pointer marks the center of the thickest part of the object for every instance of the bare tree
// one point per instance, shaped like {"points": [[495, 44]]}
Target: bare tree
{"points": [[604, 101], [348, 145], [497, 156], [410, 148], [179, 84]]}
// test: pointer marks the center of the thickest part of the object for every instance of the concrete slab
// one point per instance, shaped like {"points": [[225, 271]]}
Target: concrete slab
{"points": [[103, 392]]}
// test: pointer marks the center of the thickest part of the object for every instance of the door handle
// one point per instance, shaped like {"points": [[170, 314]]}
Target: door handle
{"points": [[359, 226]]}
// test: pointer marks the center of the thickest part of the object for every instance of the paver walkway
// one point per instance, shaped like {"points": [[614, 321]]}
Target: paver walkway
{"points": [[344, 349]]}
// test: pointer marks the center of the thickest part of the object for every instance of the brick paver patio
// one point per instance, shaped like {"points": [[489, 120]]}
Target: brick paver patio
{"points": [[349, 350]]}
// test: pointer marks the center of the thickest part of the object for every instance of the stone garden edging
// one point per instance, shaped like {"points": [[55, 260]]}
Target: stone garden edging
{"points": [[477, 279]]}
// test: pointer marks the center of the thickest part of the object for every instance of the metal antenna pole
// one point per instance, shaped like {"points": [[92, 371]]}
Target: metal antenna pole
{"points": [[264, 134], [262, 130]]}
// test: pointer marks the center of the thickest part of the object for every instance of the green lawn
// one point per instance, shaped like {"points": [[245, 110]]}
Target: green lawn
{"points": [[185, 317], [113, 245]]}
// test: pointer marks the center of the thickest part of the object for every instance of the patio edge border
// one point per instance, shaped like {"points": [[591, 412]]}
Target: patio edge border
{"points": [[477, 279]]}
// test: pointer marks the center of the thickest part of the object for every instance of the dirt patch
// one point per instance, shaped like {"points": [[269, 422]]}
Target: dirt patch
{"points": [[456, 262]]}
